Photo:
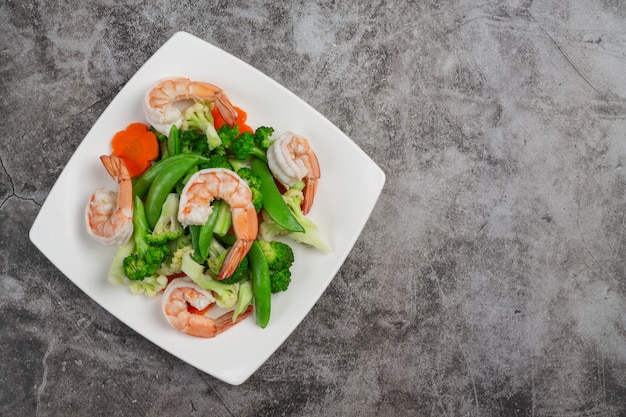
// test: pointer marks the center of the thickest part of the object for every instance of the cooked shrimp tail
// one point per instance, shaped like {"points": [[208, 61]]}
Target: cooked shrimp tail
{"points": [[235, 255], [162, 113], [109, 214], [291, 159], [310, 181]]}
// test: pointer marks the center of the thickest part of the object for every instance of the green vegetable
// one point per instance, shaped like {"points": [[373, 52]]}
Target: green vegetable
{"points": [[278, 255], [219, 161], [269, 228], [162, 142], [225, 294], [254, 182], [147, 257], [141, 185], [261, 284], [149, 286], [224, 218], [199, 117], [205, 234], [244, 299], [280, 280], [167, 226], [227, 135], [244, 146], [173, 142], [273, 202], [194, 141], [262, 137], [163, 184], [280, 258]]}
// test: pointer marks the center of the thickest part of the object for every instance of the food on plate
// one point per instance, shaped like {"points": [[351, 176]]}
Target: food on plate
{"points": [[137, 146], [291, 159], [195, 208], [212, 218], [182, 293], [108, 214], [159, 102]]}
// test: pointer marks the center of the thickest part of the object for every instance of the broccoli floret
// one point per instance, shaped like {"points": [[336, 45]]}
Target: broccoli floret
{"points": [[269, 229], [225, 294], [254, 182], [252, 179], [262, 137], [243, 147], [150, 286], [280, 280], [167, 227], [147, 257], [193, 141], [199, 117], [279, 255], [227, 134], [219, 161], [175, 263]]}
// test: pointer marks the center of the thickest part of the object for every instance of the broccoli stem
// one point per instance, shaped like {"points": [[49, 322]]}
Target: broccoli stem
{"points": [[244, 299]]}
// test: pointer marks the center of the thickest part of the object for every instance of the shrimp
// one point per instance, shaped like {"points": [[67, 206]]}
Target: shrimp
{"points": [[182, 293], [290, 158], [109, 214], [162, 114], [195, 208]]}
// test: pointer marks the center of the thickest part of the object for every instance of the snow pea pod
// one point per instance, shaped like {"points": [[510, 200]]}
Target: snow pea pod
{"points": [[173, 141], [273, 202], [142, 184], [261, 284], [206, 232], [162, 185]]}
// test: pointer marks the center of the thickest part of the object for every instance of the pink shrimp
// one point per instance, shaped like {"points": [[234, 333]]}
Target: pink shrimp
{"points": [[110, 222], [195, 208], [182, 293], [159, 101], [291, 159]]}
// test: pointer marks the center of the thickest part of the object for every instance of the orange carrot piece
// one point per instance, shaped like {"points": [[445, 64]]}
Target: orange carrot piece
{"points": [[242, 116], [137, 146]]}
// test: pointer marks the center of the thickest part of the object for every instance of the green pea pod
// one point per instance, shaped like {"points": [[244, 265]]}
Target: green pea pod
{"points": [[142, 184], [173, 141], [261, 284], [162, 185], [273, 202], [206, 232]]}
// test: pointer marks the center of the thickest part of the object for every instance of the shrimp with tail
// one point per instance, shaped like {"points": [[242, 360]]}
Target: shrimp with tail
{"points": [[291, 159], [195, 208], [109, 214], [162, 113], [183, 293]]}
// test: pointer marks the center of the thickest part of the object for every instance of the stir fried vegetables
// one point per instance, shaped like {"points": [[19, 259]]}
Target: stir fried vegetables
{"points": [[177, 233]]}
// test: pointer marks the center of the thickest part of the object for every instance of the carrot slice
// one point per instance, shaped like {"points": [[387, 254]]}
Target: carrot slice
{"points": [[137, 146]]}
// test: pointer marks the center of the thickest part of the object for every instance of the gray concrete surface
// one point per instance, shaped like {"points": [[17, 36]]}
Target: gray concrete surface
{"points": [[489, 280]]}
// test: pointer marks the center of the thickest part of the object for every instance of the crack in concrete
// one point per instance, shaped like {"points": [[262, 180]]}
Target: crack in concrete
{"points": [[13, 193], [562, 52], [44, 378]]}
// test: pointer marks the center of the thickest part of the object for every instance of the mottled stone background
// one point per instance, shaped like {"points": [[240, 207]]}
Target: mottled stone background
{"points": [[490, 279]]}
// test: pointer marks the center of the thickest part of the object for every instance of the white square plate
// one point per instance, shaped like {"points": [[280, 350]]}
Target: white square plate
{"points": [[350, 185]]}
